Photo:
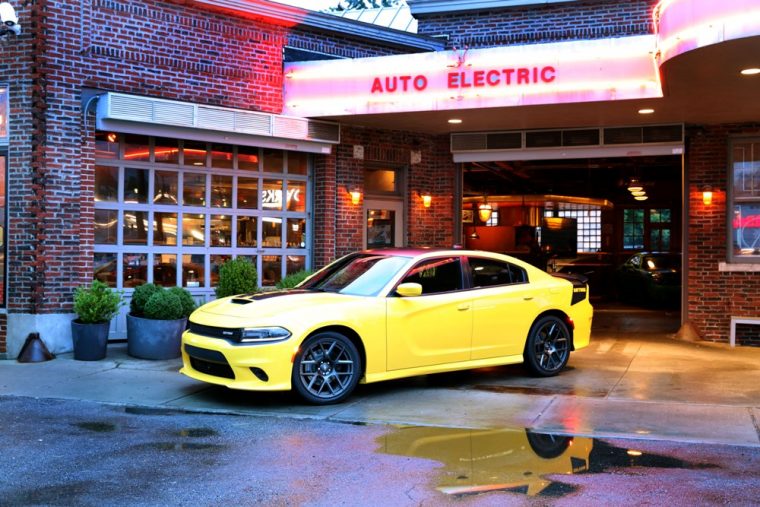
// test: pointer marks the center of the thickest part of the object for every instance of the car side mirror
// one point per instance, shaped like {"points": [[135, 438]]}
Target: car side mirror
{"points": [[408, 290]]}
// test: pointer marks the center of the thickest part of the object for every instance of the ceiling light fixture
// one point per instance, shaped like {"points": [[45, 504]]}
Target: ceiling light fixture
{"points": [[751, 71], [635, 186], [641, 197], [455, 121], [646, 110]]}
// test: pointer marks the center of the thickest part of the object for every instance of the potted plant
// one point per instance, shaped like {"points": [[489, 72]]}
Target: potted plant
{"points": [[95, 306], [236, 276], [157, 318]]}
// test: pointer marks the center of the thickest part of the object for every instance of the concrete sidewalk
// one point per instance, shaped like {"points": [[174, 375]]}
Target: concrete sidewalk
{"points": [[647, 386]]}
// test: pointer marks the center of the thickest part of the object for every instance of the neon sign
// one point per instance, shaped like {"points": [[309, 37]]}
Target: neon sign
{"points": [[562, 72]]}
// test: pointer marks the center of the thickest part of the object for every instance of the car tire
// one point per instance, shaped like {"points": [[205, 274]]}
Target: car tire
{"points": [[546, 445], [547, 348], [326, 368]]}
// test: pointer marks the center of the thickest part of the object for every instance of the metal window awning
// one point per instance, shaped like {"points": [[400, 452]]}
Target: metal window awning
{"points": [[135, 114]]}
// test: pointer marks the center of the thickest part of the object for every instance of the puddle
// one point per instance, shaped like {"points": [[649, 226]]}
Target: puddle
{"points": [[540, 391], [197, 432], [98, 427], [515, 461]]}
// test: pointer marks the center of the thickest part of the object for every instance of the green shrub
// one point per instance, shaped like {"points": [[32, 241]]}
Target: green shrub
{"points": [[163, 305], [140, 297], [188, 304], [236, 276], [96, 303], [293, 279]]}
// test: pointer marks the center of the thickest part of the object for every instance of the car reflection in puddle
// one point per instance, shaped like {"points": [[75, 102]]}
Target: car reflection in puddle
{"points": [[518, 461]]}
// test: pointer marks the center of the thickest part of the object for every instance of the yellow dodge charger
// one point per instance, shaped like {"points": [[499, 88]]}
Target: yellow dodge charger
{"points": [[386, 314]]}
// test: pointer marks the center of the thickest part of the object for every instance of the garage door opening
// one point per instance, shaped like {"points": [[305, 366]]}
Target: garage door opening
{"points": [[616, 220]]}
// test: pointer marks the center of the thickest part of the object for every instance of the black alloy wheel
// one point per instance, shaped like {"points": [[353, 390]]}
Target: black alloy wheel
{"points": [[548, 347], [326, 369]]}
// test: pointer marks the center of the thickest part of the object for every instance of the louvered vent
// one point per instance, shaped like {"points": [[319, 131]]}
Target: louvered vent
{"points": [[174, 113], [322, 131], [215, 119], [290, 127], [469, 142], [131, 108], [623, 135], [504, 141], [569, 138], [253, 123]]}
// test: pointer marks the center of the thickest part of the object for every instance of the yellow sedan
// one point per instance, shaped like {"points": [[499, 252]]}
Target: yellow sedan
{"points": [[386, 314]]}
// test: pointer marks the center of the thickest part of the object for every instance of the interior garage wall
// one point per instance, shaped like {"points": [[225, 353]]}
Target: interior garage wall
{"points": [[713, 296]]}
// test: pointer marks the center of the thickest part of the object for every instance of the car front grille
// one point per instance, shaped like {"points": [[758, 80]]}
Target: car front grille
{"points": [[210, 362], [225, 333]]}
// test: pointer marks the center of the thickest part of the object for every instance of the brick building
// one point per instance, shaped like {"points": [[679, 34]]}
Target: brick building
{"points": [[152, 140]]}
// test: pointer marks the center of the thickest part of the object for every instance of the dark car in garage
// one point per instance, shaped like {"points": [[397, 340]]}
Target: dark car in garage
{"points": [[650, 279]]}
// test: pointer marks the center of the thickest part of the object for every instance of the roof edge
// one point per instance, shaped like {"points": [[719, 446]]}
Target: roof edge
{"points": [[443, 6], [288, 15]]}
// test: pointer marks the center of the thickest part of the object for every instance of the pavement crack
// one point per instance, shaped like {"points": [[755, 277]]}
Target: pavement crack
{"points": [[622, 376]]}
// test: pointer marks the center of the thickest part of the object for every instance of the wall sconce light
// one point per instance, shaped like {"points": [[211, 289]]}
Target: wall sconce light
{"points": [[484, 212], [707, 195], [356, 197], [427, 200]]}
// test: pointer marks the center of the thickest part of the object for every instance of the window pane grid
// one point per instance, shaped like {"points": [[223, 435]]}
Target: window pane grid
{"points": [[589, 222], [170, 211]]}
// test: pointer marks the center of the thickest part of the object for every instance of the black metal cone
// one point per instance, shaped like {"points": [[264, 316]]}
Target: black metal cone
{"points": [[34, 350]]}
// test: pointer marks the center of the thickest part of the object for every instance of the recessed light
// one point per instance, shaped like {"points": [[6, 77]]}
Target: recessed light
{"points": [[646, 111], [455, 121], [752, 71]]}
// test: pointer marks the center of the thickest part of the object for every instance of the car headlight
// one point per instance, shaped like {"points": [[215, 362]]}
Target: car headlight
{"points": [[264, 334]]}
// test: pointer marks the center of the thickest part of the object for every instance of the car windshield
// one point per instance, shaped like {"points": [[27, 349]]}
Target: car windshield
{"points": [[655, 262], [357, 275]]}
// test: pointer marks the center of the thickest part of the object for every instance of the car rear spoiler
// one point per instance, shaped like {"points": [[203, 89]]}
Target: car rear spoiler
{"points": [[580, 285]]}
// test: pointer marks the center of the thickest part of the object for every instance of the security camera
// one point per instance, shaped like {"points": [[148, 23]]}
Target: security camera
{"points": [[9, 18]]}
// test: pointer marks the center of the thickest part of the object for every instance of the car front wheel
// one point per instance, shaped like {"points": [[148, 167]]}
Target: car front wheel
{"points": [[326, 368], [548, 347]]}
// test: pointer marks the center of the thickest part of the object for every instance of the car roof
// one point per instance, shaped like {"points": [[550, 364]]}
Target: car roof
{"points": [[415, 252]]}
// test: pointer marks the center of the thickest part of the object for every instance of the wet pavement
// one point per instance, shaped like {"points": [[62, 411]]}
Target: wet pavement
{"points": [[633, 381], [71, 452]]}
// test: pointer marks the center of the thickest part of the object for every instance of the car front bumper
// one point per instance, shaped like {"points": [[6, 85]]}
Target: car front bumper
{"points": [[251, 367]]}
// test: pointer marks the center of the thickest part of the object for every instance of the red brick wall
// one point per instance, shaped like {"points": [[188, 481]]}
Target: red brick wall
{"points": [[532, 24], [714, 296]]}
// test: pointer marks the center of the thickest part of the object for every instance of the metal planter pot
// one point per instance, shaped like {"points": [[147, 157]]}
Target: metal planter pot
{"points": [[154, 339], [90, 340]]}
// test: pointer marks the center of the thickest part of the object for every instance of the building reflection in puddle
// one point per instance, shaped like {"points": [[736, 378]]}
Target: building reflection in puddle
{"points": [[518, 461]]}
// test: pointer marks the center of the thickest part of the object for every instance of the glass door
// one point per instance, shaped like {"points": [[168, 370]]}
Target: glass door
{"points": [[384, 223]]}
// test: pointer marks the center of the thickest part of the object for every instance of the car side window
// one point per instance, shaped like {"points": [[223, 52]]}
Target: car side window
{"points": [[436, 275], [490, 272]]}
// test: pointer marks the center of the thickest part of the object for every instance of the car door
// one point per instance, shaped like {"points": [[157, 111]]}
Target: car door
{"points": [[504, 307], [435, 327]]}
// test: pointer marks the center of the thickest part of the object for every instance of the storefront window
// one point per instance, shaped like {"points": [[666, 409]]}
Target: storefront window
{"points": [[745, 201], [171, 211], [633, 229]]}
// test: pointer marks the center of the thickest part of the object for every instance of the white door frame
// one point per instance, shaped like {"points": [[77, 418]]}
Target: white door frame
{"points": [[395, 205]]}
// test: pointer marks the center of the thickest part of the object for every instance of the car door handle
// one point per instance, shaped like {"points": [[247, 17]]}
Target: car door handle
{"points": [[464, 307]]}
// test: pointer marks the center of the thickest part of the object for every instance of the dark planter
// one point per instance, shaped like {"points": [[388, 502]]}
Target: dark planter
{"points": [[154, 339], [90, 340]]}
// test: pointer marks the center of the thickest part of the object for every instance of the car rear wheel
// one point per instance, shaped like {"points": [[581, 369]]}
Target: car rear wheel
{"points": [[548, 347], [326, 368]]}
